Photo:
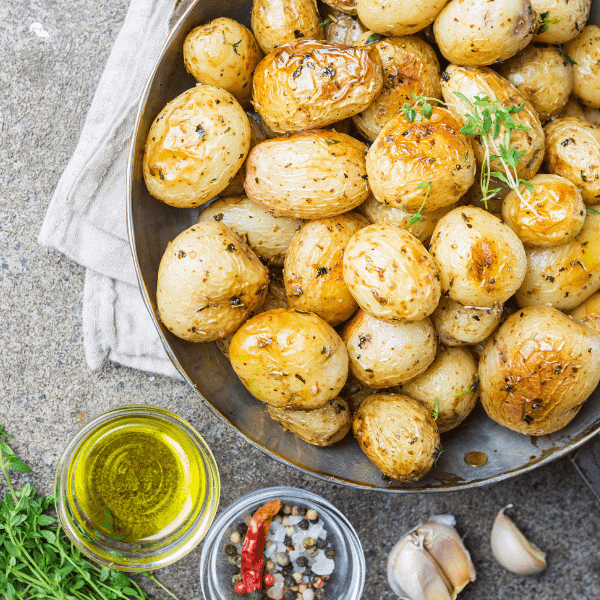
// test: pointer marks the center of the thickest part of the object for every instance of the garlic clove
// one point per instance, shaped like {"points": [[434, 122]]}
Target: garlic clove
{"points": [[413, 574], [512, 549], [444, 544]]}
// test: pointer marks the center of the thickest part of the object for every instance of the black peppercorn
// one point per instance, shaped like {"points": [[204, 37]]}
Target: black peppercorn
{"points": [[287, 569], [289, 595], [302, 510], [321, 544], [304, 524], [289, 581], [230, 550], [287, 541], [330, 553], [302, 561], [242, 528]]}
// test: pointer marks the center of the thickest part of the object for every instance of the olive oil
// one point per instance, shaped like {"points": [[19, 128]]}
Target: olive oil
{"points": [[138, 479]]}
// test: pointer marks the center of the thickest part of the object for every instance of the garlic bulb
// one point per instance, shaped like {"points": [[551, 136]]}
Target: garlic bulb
{"points": [[512, 550], [430, 562]]}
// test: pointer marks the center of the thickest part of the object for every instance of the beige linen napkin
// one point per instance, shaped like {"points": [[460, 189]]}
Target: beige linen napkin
{"points": [[86, 218]]}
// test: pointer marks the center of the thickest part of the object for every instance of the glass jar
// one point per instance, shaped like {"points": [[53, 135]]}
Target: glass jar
{"points": [[136, 488], [348, 578]]}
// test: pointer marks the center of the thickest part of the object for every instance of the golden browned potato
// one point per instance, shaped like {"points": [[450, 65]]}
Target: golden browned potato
{"points": [[482, 81], [341, 28], [209, 281], [319, 427], [385, 354], [588, 313], [573, 152], [538, 370], [313, 272], [544, 75], [398, 435], [309, 175], [481, 261], [277, 22], [223, 53], [564, 276], [311, 84], [573, 108], [390, 274], [474, 33], [425, 163], [458, 325], [195, 146], [410, 66], [377, 212], [289, 359], [585, 51], [551, 215], [453, 381], [268, 234], [346, 6], [398, 17], [560, 20]]}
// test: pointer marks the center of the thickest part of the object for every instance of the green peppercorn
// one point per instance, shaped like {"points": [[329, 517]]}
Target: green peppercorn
{"points": [[308, 542]]}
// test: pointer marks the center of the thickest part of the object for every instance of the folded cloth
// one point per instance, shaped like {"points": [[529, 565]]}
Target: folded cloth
{"points": [[86, 219]]}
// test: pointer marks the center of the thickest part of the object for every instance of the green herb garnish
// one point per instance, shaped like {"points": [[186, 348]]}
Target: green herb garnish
{"points": [[234, 46], [468, 390], [323, 23], [374, 37], [332, 142], [436, 409], [418, 216], [571, 59], [426, 109], [592, 211], [544, 21]]}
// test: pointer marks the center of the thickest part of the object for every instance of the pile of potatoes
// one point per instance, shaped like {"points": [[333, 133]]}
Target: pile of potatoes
{"points": [[349, 268]]}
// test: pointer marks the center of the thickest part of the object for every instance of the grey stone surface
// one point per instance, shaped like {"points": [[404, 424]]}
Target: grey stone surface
{"points": [[47, 391]]}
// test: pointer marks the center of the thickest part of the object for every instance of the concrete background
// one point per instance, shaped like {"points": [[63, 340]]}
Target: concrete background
{"points": [[47, 391]]}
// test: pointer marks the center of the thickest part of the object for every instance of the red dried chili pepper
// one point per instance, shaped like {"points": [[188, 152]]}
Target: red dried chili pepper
{"points": [[253, 548]]}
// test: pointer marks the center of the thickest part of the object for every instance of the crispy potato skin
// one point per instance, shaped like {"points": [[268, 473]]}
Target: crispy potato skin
{"points": [[268, 234], [195, 146], [310, 84], [277, 22], [585, 51], [313, 271], [538, 369], [482, 81], [223, 53], [552, 215], [481, 261], [342, 28], [570, 14], [544, 76], [345, 6], [209, 281], [385, 354], [588, 313], [573, 152], [289, 359], [410, 66], [406, 155], [319, 427], [390, 274], [398, 435], [564, 276], [473, 33], [308, 175], [453, 379]]}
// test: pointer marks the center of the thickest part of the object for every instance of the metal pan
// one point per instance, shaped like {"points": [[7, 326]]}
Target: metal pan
{"points": [[152, 224]]}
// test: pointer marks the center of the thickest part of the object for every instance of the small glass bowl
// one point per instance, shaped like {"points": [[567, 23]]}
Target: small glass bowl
{"points": [[348, 578], [161, 549]]}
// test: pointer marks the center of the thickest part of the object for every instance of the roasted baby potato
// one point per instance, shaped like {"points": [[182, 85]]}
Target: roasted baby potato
{"points": [[341, 28], [564, 276], [385, 354], [588, 313], [481, 81], [474, 33], [458, 325], [481, 261], [346, 6], [195, 146], [209, 281], [551, 215], [390, 274], [560, 20], [400, 17], [268, 234], [309, 175], [426, 163], [223, 53], [410, 66], [452, 379], [573, 152], [277, 22], [398, 435], [544, 75], [538, 370], [320, 427], [585, 51], [289, 359], [313, 272], [310, 84], [355, 391]]}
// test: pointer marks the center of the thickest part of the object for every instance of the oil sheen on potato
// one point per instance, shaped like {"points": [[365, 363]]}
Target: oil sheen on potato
{"points": [[140, 479]]}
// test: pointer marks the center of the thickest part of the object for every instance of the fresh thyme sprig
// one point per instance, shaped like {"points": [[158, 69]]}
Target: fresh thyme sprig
{"points": [[418, 216], [544, 21], [424, 102], [468, 390], [436, 409]]}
